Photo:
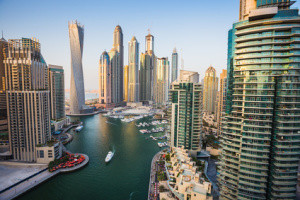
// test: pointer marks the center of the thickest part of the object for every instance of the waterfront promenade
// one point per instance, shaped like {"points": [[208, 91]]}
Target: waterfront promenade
{"points": [[30, 183], [153, 177]]}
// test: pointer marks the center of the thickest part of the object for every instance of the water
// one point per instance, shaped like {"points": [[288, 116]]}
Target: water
{"points": [[87, 95], [125, 177]]}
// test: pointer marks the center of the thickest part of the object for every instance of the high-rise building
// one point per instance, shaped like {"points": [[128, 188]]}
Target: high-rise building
{"points": [[28, 98], [145, 77], [77, 93], [126, 74], [133, 70], [260, 138], [149, 50], [3, 106], [189, 76], [116, 80], [221, 102], [174, 65], [210, 89], [161, 81], [118, 46], [57, 92], [186, 115], [105, 80]]}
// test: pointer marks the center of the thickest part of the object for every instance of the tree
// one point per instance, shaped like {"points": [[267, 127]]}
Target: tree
{"points": [[161, 188]]}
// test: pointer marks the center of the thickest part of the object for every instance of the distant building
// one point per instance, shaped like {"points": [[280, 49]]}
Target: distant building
{"points": [[189, 76], [174, 65], [133, 70], [116, 80], [119, 47], [57, 91], [186, 115], [77, 93], [105, 79], [28, 98], [145, 78], [3, 105], [221, 106], [210, 89], [161, 81], [126, 73], [149, 50]]}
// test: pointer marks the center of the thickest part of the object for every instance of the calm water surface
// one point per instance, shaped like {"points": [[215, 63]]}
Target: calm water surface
{"points": [[125, 177]]}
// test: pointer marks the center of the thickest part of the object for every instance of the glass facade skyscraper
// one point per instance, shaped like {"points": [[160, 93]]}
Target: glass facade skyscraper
{"points": [[57, 91], [261, 136], [174, 65], [133, 70], [161, 81]]}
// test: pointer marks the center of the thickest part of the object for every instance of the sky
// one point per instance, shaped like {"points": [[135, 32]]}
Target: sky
{"points": [[198, 29]]}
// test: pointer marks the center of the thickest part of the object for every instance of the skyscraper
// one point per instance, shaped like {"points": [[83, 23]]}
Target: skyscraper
{"points": [[118, 46], [145, 77], [260, 139], [149, 50], [116, 80], [27, 98], [210, 89], [174, 65], [57, 92], [105, 80], [221, 106], [3, 105], [77, 93], [133, 70], [189, 76], [186, 115], [161, 81], [126, 74]]}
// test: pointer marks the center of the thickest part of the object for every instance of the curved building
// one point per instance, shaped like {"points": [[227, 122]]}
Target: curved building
{"points": [[210, 89], [133, 70], [77, 94], [261, 137], [104, 79]]}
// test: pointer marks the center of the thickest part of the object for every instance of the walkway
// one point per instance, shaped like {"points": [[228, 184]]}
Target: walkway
{"points": [[36, 180], [153, 177]]}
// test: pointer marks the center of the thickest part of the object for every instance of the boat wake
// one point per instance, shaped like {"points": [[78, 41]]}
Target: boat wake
{"points": [[110, 123]]}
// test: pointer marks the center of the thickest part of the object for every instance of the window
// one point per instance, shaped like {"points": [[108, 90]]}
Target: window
{"points": [[41, 153]]}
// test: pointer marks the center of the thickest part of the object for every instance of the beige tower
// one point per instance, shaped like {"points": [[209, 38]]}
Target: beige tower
{"points": [[28, 99], [221, 107], [245, 7], [126, 83], [210, 89]]}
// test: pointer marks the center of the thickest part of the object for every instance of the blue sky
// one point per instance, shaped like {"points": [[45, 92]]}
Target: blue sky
{"points": [[198, 27]]}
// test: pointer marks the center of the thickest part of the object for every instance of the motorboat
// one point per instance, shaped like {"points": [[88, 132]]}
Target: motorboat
{"points": [[109, 156], [78, 128]]}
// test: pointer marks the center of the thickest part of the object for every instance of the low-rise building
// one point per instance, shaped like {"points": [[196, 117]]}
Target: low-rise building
{"points": [[49, 152], [185, 181]]}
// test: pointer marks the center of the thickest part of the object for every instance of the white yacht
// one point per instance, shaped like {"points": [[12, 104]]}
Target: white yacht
{"points": [[109, 156], [78, 128]]}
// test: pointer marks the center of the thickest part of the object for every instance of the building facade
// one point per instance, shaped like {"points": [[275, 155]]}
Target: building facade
{"points": [[57, 92], [211, 82], [116, 80], [221, 103], [3, 105], [161, 81], [189, 76], [119, 47], [174, 65], [149, 50], [28, 98], [145, 77], [105, 80], [133, 71], [186, 115], [260, 138], [126, 72], [77, 93]]}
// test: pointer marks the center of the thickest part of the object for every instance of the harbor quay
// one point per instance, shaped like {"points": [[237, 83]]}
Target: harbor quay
{"points": [[36, 175]]}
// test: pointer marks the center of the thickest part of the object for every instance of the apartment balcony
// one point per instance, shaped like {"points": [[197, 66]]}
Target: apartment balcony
{"points": [[249, 189], [262, 43], [283, 195], [285, 189], [286, 165], [261, 185], [286, 158], [259, 161], [278, 27], [250, 195], [254, 173], [279, 20], [258, 166], [292, 177], [284, 183], [256, 137]]}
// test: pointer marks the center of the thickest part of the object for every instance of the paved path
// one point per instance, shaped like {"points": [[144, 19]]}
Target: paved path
{"points": [[153, 177], [36, 180]]}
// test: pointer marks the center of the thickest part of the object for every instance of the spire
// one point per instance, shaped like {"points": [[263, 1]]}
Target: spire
{"points": [[174, 50]]}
